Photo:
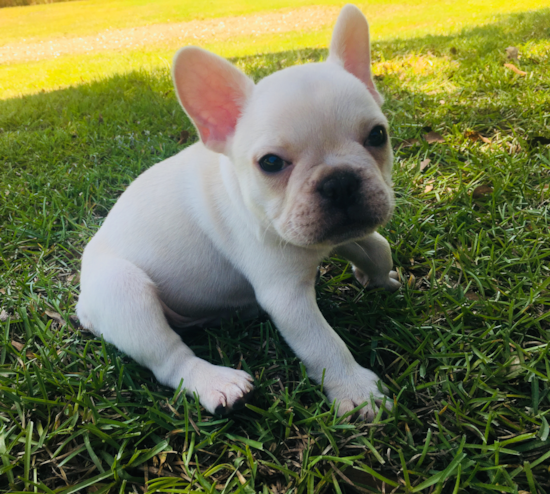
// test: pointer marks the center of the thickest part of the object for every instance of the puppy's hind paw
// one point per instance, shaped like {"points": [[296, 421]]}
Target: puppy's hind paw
{"points": [[394, 283], [390, 283]]}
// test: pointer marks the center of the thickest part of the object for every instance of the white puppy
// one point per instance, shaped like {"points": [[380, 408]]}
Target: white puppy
{"points": [[287, 171]]}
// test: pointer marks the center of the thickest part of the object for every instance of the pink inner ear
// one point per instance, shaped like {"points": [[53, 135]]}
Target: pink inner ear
{"points": [[212, 92], [359, 65], [216, 120], [213, 104], [356, 62], [351, 45]]}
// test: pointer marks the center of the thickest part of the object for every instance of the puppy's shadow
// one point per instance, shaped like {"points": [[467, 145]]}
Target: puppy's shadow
{"points": [[231, 341]]}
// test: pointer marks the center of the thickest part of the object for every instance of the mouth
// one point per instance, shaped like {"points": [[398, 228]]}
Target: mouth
{"points": [[344, 230], [334, 214], [353, 222]]}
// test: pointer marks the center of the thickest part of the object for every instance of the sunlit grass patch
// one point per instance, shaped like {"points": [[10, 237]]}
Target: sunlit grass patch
{"points": [[389, 20], [427, 73], [93, 16]]}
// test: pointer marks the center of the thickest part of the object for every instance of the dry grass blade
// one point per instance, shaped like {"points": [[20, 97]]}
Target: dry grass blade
{"points": [[514, 69], [433, 137], [476, 136], [424, 164]]}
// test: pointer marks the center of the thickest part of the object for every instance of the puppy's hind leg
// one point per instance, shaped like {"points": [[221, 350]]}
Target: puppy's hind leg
{"points": [[372, 262], [120, 302]]}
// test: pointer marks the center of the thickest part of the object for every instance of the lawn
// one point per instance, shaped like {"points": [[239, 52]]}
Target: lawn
{"points": [[463, 346], [92, 16], [33, 25]]}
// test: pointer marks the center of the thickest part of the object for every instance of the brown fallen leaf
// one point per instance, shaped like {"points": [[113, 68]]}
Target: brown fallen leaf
{"points": [[434, 136], [241, 478], [424, 164], [162, 461], [74, 278], [482, 191], [407, 143], [428, 188], [513, 68], [56, 317], [3, 291], [92, 489], [471, 296], [18, 346], [4, 316], [476, 136], [184, 136], [512, 53]]}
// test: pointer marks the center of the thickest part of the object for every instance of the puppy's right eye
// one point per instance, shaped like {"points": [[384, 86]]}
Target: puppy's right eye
{"points": [[272, 163], [377, 137]]}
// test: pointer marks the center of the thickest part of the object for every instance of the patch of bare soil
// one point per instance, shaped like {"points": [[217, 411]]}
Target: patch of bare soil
{"points": [[192, 32]]}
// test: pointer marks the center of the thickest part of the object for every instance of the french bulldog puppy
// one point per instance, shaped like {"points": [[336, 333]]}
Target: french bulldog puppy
{"points": [[286, 172]]}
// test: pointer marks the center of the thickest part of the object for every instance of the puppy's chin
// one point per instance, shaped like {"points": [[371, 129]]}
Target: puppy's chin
{"points": [[337, 236], [333, 230], [342, 233]]}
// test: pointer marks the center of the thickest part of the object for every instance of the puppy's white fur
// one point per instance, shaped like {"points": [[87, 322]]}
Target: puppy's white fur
{"points": [[208, 231]]}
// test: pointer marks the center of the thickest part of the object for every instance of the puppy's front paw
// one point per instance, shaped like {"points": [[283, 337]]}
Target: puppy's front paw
{"points": [[390, 282], [359, 387], [220, 389]]}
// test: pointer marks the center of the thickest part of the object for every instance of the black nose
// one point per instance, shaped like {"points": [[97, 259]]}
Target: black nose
{"points": [[340, 189]]}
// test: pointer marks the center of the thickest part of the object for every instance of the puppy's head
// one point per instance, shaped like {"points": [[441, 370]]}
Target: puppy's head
{"points": [[309, 143]]}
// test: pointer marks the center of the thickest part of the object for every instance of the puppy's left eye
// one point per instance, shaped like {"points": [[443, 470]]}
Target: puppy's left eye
{"points": [[272, 163], [377, 137]]}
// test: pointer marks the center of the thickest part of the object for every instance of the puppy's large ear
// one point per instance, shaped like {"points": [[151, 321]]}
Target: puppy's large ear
{"points": [[212, 92], [350, 47]]}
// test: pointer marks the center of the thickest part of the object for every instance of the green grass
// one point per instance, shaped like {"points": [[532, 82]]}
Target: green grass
{"points": [[387, 18], [464, 345], [90, 16]]}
